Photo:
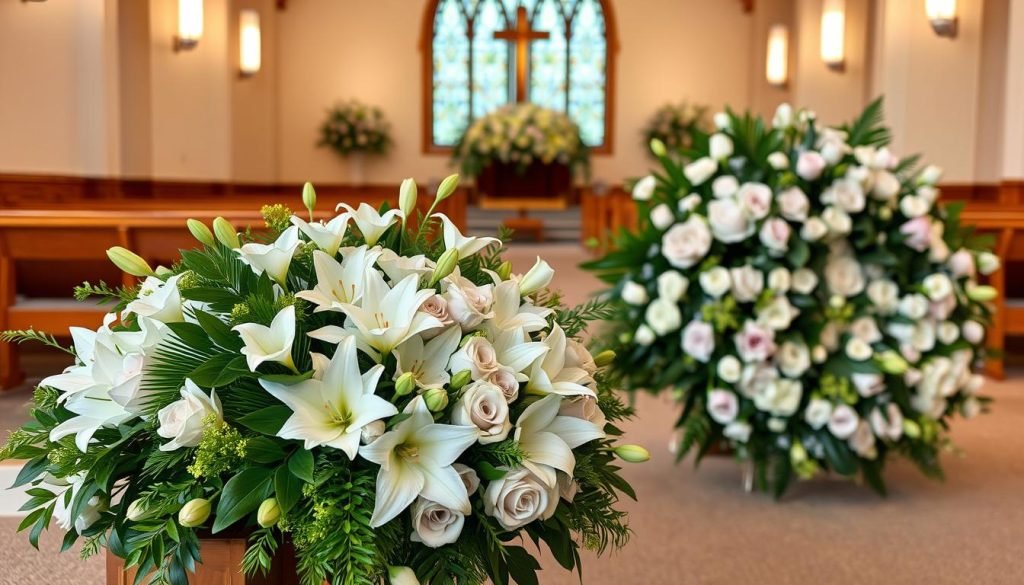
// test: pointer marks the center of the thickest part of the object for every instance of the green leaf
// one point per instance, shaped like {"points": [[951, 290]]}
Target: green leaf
{"points": [[522, 566], [267, 421], [287, 488], [242, 494], [33, 469], [192, 334], [799, 252], [263, 450], [490, 472], [301, 465], [287, 379], [220, 370], [219, 331], [838, 455]]}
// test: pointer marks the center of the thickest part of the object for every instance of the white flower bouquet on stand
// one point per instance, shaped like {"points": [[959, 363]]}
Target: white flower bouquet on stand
{"points": [[377, 388], [804, 296]]}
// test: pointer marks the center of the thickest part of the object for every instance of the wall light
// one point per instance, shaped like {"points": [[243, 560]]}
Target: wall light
{"points": [[833, 33], [190, 24], [942, 15], [776, 67], [250, 55]]}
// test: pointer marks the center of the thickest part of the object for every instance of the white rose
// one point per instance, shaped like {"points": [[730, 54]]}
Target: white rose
{"points": [[928, 193], [644, 188], [837, 220], [724, 186], [686, 243], [793, 204], [783, 117], [633, 293], [720, 146], [913, 206], [846, 195], [483, 405], [689, 203], [183, 421], [813, 230], [805, 281], [930, 175], [755, 378], [698, 340], [508, 383], [937, 286], [468, 476], [700, 170], [644, 335], [844, 275], [469, 305], [780, 280], [793, 359], [774, 235], [756, 199], [863, 441], [662, 216], [729, 369], [810, 165], [948, 332], [778, 314], [663, 316], [577, 356], [867, 384], [716, 281], [913, 306], [922, 337], [888, 425], [729, 223], [988, 263], [961, 264], [886, 186], [437, 307], [778, 161], [672, 285], [747, 283], [738, 431], [721, 120], [858, 350], [478, 356], [973, 332], [518, 498], [884, 295], [843, 422], [818, 413], [866, 328], [435, 525], [755, 343], [723, 406], [780, 398]]}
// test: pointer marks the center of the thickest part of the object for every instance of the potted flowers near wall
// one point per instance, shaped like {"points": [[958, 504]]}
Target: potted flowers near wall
{"points": [[675, 124], [354, 130], [522, 150], [805, 295]]}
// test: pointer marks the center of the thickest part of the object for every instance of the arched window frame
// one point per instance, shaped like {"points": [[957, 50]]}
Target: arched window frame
{"points": [[427, 51]]}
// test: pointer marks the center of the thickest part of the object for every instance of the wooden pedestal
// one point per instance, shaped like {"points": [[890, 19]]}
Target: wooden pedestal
{"points": [[222, 565], [537, 181]]}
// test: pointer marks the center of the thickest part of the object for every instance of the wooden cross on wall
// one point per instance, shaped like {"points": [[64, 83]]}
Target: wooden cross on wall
{"points": [[522, 35]]}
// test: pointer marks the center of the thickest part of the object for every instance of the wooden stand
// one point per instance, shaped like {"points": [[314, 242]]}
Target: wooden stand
{"points": [[222, 565], [523, 223], [537, 181]]}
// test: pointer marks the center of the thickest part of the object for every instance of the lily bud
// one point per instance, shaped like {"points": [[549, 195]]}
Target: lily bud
{"points": [[892, 362], [405, 384], [226, 233], [309, 197], [658, 147], [129, 261], [981, 293], [200, 232], [460, 379], [163, 271], [194, 513], [632, 453], [269, 512], [505, 270], [407, 197], [536, 278], [135, 511], [988, 263], [604, 358], [402, 576], [445, 265], [911, 428], [797, 453], [446, 188], [436, 399]]}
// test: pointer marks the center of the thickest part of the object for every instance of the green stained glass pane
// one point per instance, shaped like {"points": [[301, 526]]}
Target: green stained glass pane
{"points": [[547, 58], [490, 60], [451, 74], [588, 54]]}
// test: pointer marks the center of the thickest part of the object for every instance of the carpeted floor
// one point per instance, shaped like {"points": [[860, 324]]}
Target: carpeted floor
{"points": [[700, 527]]}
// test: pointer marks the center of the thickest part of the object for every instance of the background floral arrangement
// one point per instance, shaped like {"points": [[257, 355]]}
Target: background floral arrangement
{"points": [[802, 293], [399, 405], [675, 124], [521, 134], [353, 127]]}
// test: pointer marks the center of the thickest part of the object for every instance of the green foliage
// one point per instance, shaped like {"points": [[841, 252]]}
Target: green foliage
{"points": [[23, 335], [221, 449]]}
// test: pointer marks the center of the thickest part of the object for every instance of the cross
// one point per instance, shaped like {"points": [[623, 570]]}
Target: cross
{"points": [[522, 35]]}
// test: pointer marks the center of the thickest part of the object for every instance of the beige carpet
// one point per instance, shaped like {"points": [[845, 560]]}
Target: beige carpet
{"points": [[700, 527]]}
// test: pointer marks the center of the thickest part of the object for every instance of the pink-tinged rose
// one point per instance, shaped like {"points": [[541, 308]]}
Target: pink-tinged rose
{"points": [[747, 283], [847, 195], [775, 234], [962, 264], [756, 199], [793, 204], [810, 165], [843, 422], [918, 233], [728, 222], [686, 243], [863, 441], [941, 310], [755, 343], [698, 340], [868, 385], [723, 406], [887, 425], [973, 332]]}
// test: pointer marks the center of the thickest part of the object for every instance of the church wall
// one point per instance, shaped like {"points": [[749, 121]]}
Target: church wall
{"points": [[254, 147]]}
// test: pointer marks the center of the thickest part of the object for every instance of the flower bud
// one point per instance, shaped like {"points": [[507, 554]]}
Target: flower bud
{"points": [[836, 302], [658, 147], [605, 358], [163, 271], [226, 233], [129, 261], [402, 576], [892, 362], [407, 197], [405, 384], [722, 120], [445, 265], [536, 278], [194, 513], [988, 263], [269, 512], [135, 511], [372, 432], [309, 197], [981, 293], [436, 399], [446, 188], [632, 453], [200, 232], [911, 428], [460, 379], [797, 453], [505, 270]]}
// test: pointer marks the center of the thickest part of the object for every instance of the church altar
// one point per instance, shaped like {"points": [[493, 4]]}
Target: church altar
{"points": [[536, 181]]}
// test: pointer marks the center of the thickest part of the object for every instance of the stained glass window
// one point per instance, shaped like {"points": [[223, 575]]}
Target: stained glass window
{"points": [[473, 72]]}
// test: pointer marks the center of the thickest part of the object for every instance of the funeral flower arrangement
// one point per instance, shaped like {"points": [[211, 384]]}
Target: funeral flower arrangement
{"points": [[520, 135], [354, 127], [398, 405], [674, 125], [802, 293]]}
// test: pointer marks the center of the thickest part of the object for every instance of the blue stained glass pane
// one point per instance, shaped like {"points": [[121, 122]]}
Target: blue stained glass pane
{"points": [[490, 60], [451, 74], [587, 59], [547, 58]]}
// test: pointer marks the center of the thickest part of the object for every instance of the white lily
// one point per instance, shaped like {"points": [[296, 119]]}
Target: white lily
{"points": [[416, 459], [274, 259], [158, 300], [509, 312], [538, 277], [428, 362], [339, 283], [371, 223], [269, 344], [398, 267], [389, 316], [549, 375], [327, 236], [333, 410], [548, 439], [95, 409], [335, 334], [453, 238]]}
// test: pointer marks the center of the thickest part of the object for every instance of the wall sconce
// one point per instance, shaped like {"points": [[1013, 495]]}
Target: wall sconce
{"points": [[190, 24], [250, 55], [942, 15], [776, 67], [833, 33]]}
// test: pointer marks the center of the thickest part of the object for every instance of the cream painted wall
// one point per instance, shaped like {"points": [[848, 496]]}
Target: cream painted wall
{"points": [[764, 97], [1013, 137], [254, 145]]}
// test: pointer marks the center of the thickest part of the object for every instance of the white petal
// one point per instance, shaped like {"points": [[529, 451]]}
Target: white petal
{"points": [[441, 444], [396, 489], [548, 449], [575, 431], [444, 486]]}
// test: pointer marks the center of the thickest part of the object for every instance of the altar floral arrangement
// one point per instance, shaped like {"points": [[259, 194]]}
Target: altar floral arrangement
{"points": [[675, 124], [354, 127], [521, 134], [376, 387], [805, 298]]}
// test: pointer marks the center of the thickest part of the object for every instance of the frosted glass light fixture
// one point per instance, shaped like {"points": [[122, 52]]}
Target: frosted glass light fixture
{"points": [[942, 15], [190, 24], [776, 68], [833, 33], [250, 55]]}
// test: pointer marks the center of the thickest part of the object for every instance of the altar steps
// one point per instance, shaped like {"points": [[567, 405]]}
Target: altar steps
{"points": [[559, 226]]}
